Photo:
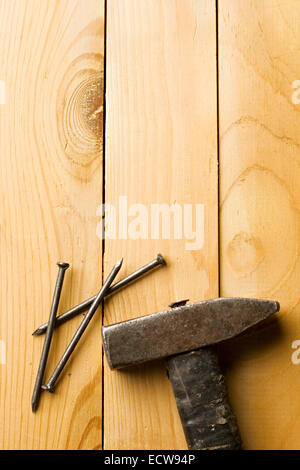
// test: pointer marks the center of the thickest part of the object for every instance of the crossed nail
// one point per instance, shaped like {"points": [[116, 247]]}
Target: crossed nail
{"points": [[92, 304]]}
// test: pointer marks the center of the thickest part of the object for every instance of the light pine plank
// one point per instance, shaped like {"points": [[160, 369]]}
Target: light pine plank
{"points": [[51, 70], [161, 147], [260, 197]]}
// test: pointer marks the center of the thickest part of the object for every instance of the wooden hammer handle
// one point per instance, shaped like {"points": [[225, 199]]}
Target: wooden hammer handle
{"points": [[201, 396]]}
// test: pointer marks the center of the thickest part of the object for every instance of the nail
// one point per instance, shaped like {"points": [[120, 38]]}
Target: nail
{"points": [[49, 386], [49, 332], [83, 306]]}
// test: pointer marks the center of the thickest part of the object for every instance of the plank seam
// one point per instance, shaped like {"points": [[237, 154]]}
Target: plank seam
{"points": [[103, 202], [218, 146]]}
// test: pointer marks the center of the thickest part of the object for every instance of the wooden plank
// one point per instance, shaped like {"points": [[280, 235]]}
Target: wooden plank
{"points": [[260, 195], [161, 148], [51, 68]]}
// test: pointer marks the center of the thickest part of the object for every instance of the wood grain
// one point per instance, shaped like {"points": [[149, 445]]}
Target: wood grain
{"points": [[161, 147], [260, 199], [51, 62]]}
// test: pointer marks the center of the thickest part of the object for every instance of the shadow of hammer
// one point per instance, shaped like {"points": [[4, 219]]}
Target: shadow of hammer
{"points": [[185, 335]]}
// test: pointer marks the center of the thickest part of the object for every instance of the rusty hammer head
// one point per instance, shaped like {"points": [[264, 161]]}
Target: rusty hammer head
{"points": [[182, 329]]}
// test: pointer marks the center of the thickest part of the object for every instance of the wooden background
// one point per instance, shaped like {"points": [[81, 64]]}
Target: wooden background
{"points": [[202, 106]]}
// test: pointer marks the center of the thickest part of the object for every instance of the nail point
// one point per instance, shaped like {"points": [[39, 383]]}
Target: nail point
{"points": [[34, 406]]}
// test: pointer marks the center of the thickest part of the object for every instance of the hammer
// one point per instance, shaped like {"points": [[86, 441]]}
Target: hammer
{"points": [[184, 335]]}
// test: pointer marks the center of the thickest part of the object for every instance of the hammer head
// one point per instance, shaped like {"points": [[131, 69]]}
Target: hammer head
{"points": [[182, 329]]}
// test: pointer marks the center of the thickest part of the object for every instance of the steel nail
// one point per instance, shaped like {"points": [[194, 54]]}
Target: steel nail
{"points": [[49, 332], [85, 305], [49, 386]]}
